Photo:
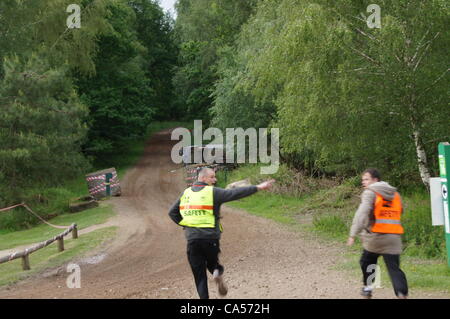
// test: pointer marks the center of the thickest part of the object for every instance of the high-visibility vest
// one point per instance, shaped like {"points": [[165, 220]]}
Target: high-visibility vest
{"points": [[387, 215], [196, 208]]}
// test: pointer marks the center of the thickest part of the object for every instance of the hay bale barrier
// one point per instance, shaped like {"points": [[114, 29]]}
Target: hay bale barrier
{"points": [[103, 183]]}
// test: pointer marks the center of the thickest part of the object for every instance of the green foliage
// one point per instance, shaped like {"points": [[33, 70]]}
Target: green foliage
{"points": [[193, 82], [118, 96], [41, 126], [422, 238], [133, 80], [46, 202], [346, 97], [43, 122], [40, 26], [155, 32], [204, 28], [232, 106], [68, 95], [332, 225]]}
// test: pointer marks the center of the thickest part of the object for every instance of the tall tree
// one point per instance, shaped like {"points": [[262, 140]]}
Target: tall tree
{"points": [[155, 32], [42, 25], [204, 28], [42, 122], [118, 95], [348, 96], [41, 126]]}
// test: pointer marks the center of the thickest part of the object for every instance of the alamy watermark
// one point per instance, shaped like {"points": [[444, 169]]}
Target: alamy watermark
{"points": [[74, 279], [373, 20], [74, 20], [216, 151], [374, 279]]}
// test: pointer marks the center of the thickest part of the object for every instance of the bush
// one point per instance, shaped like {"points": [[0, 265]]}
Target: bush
{"points": [[333, 225], [289, 181], [421, 238], [45, 202]]}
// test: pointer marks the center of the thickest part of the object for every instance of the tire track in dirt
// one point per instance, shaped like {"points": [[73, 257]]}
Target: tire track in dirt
{"points": [[147, 259]]}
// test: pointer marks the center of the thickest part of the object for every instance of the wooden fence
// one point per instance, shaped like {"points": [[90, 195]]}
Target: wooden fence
{"points": [[24, 254]]}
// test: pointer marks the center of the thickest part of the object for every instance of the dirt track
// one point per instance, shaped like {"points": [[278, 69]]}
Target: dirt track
{"points": [[147, 259]]}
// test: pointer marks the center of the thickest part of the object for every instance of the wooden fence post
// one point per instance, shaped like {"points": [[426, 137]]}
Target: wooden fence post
{"points": [[75, 233], [61, 244], [25, 262]]}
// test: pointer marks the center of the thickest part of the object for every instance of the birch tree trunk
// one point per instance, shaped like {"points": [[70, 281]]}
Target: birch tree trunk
{"points": [[421, 156]]}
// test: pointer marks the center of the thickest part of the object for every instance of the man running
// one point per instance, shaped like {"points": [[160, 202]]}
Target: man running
{"points": [[377, 221], [198, 211]]}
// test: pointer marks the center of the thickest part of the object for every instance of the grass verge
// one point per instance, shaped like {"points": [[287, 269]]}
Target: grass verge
{"points": [[49, 256], [94, 216]]}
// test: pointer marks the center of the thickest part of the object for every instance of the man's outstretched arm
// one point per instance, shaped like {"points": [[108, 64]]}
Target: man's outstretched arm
{"points": [[226, 195]]}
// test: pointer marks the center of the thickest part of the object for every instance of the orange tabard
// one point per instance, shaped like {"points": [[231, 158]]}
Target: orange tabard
{"points": [[387, 215]]}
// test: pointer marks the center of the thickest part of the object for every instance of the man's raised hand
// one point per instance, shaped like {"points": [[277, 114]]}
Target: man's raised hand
{"points": [[265, 185]]}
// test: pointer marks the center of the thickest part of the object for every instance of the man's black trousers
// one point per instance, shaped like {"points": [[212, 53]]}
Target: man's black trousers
{"points": [[397, 276], [203, 254]]}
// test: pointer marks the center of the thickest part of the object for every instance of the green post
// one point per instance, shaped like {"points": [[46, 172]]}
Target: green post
{"points": [[108, 178], [444, 165]]}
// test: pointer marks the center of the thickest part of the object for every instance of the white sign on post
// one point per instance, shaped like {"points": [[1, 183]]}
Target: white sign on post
{"points": [[437, 207]]}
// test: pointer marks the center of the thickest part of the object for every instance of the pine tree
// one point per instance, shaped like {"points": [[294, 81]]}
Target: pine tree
{"points": [[41, 126]]}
